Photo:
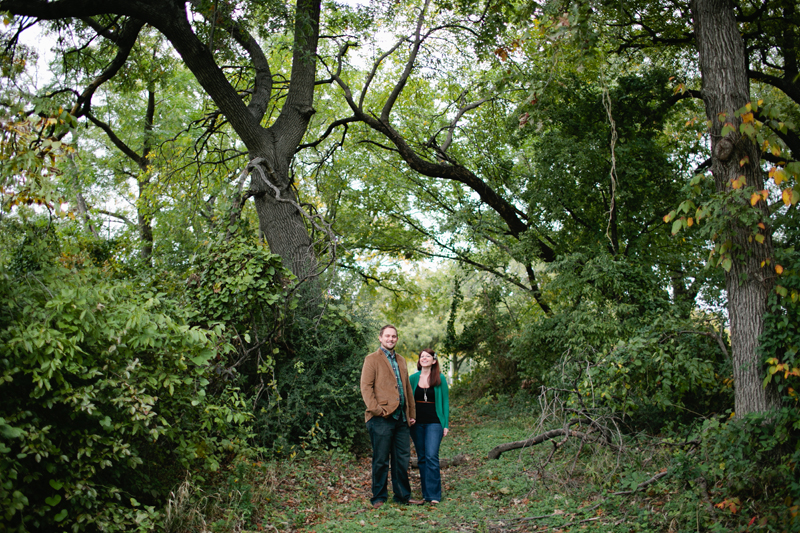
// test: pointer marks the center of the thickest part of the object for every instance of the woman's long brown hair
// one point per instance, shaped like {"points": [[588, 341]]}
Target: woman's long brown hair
{"points": [[435, 378]]}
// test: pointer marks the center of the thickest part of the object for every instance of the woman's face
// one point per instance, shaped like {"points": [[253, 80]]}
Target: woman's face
{"points": [[426, 360]]}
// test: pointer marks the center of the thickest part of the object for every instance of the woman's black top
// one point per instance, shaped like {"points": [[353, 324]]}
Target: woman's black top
{"points": [[426, 409]]}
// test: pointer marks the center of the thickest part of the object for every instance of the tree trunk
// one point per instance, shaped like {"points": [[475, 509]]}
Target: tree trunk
{"points": [[280, 220], [723, 65], [143, 210]]}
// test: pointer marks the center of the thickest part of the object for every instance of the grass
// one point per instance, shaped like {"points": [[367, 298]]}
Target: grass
{"points": [[534, 489]]}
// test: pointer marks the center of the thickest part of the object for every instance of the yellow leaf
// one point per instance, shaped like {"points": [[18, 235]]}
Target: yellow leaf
{"points": [[747, 117], [689, 221], [760, 238], [779, 175], [778, 269], [786, 195], [754, 198]]}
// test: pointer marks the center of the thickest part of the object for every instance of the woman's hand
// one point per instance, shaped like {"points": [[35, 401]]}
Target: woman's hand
{"points": [[446, 430]]}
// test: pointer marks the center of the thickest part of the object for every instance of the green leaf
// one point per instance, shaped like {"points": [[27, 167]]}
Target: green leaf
{"points": [[726, 129], [61, 516], [727, 264], [52, 501]]}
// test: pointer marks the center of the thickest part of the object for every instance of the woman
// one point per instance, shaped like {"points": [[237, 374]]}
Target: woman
{"points": [[433, 417]]}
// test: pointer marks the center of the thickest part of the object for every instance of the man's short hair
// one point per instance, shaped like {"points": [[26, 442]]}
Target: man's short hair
{"points": [[387, 326]]}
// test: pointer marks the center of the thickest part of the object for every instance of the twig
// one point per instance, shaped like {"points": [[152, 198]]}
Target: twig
{"points": [[643, 484]]}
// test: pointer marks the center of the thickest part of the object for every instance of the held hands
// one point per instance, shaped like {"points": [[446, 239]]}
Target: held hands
{"points": [[412, 421]]}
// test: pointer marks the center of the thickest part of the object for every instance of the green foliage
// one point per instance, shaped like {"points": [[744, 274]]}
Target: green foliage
{"points": [[301, 370], [602, 299], [751, 468], [105, 392], [239, 283], [669, 370], [780, 341], [315, 401], [486, 338], [618, 341]]}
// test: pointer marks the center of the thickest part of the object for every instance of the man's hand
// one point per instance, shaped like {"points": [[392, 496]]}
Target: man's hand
{"points": [[411, 421]]}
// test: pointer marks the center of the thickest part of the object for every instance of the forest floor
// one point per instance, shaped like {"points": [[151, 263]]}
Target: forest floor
{"points": [[541, 488]]}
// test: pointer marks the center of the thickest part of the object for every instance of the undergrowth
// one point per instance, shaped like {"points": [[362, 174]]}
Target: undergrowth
{"points": [[619, 482]]}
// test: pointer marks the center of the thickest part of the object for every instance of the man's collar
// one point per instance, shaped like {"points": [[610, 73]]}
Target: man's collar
{"points": [[387, 352]]}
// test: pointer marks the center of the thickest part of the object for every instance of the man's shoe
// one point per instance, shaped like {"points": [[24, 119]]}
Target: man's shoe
{"points": [[415, 502], [377, 505]]}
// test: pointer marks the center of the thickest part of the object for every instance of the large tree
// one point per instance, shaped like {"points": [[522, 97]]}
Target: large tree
{"points": [[207, 35], [750, 279]]}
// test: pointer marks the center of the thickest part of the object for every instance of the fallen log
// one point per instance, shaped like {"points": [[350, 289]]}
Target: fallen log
{"points": [[544, 437]]}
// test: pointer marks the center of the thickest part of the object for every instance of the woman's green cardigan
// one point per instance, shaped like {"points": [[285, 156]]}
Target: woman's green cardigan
{"points": [[441, 400]]}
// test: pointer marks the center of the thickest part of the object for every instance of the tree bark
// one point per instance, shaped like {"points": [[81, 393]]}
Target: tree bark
{"points": [[723, 65]]}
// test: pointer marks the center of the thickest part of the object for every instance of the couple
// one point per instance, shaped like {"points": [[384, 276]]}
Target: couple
{"points": [[396, 406]]}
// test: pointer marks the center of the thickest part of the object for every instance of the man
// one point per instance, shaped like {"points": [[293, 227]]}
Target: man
{"points": [[390, 412]]}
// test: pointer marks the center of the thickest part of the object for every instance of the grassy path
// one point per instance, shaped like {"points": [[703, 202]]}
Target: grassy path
{"points": [[481, 495], [329, 492]]}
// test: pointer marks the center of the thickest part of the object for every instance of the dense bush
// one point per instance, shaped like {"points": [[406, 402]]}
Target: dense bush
{"points": [[300, 364], [316, 400], [746, 470], [623, 345], [104, 389]]}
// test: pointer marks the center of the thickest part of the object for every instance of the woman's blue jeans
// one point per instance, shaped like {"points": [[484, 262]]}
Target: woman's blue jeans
{"points": [[427, 438]]}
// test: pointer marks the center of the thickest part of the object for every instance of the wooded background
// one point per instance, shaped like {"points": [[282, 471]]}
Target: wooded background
{"points": [[210, 206]]}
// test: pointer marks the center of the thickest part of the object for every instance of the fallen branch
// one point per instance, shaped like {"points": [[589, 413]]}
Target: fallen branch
{"points": [[459, 459], [547, 435]]}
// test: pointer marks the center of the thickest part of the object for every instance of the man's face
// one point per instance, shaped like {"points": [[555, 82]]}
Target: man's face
{"points": [[388, 338]]}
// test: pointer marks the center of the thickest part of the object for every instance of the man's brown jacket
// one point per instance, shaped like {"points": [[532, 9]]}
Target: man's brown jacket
{"points": [[379, 387]]}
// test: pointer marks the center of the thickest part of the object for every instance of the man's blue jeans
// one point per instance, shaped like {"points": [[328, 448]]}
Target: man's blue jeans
{"points": [[390, 445], [427, 438]]}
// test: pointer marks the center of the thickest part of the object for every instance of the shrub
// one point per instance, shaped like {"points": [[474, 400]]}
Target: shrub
{"points": [[300, 364], [316, 400], [780, 341], [104, 395], [750, 467]]}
